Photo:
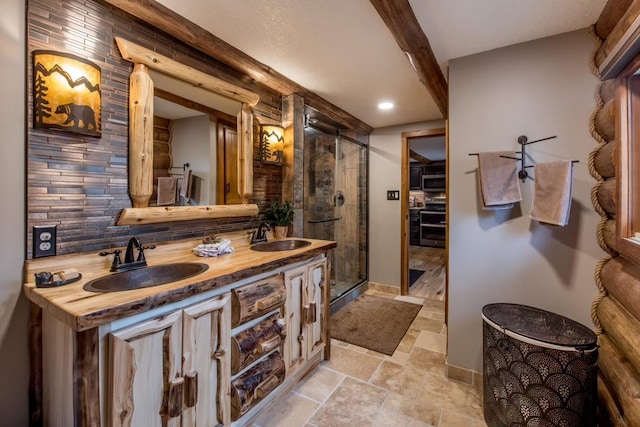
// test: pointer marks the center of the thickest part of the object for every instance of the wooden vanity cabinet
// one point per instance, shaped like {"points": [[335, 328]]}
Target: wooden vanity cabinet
{"points": [[173, 370], [171, 365], [305, 313]]}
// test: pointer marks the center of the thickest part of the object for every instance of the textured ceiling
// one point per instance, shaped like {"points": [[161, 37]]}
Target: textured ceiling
{"points": [[341, 49]]}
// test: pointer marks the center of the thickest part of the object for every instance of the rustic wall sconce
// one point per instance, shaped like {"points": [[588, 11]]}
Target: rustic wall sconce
{"points": [[271, 144], [66, 93]]}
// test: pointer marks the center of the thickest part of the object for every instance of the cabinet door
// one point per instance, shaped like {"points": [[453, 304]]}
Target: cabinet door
{"points": [[415, 177], [205, 366], [314, 307], [294, 348], [146, 385]]}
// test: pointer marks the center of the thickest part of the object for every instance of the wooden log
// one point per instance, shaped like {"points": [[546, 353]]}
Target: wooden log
{"points": [[621, 328], [621, 278], [257, 298], [623, 379], [140, 55], [610, 15], [86, 383], [35, 365], [255, 384], [609, 409], [605, 121], [161, 134], [140, 136], [609, 234], [617, 33], [245, 153], [253, 343], [607, 196], [161, 161], [605, 160], [161, 147], [155, 215], [608, 90]]}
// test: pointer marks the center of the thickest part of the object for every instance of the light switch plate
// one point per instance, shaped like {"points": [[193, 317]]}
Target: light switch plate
{"points": [[393, 194], [44, 240]]}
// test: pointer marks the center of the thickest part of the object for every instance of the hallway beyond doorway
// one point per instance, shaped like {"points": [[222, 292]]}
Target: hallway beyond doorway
{"points": [[432, 284]]}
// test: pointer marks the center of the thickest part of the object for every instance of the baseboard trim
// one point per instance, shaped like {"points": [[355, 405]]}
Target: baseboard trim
{"points": [[463, 375], [387, 289]]}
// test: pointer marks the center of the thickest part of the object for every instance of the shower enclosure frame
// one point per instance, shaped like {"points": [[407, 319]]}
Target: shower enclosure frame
{"points": [[361, 283]]}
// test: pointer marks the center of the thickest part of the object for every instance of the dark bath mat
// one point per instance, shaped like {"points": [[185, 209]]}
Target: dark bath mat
{"points": [[414, 275], [373, 322]]}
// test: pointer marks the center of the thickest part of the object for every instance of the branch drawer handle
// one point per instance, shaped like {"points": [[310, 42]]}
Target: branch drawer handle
{"points": [[268, 345], [267, 302], [266, 387]]}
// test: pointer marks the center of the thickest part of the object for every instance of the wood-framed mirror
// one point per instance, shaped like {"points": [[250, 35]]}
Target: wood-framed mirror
{"points": [[141, 99]]}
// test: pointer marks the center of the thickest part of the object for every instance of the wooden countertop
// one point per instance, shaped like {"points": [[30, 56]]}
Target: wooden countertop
{"points": [[82, 310]]}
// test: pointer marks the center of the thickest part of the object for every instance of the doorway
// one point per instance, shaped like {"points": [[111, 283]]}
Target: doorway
{"points": [[424, 206]]}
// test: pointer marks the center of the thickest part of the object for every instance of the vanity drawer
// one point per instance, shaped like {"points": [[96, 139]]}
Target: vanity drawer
{"points": [[253, 343], [255, 384], [257, 298]]}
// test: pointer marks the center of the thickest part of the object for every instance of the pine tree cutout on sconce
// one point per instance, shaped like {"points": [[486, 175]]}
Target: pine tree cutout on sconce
{"points": [[272, 144]]}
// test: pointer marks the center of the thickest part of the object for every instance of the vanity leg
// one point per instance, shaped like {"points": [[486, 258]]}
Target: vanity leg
{"points": [[86, 383], [327, 306], [35, 365]]}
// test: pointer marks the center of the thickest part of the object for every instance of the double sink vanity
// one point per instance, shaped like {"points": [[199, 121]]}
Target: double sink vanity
{"points": [[213, 348]]}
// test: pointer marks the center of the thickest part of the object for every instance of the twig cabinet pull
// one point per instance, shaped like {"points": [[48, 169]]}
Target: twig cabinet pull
{"points": [[174, 397], [191, 389]]}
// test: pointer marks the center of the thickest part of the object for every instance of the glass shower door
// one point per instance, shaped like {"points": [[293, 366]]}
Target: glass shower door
{"points": [[335, 204]]}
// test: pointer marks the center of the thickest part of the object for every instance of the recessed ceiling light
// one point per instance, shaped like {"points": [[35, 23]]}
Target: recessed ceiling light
{"points": [[385, 105]]}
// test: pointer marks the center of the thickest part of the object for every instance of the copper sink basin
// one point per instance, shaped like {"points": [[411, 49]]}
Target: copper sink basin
{"points": [[145, 277], [280, 245]]}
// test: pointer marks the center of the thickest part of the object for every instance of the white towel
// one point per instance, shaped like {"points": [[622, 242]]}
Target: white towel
{"points": [[498, 180], [167, 187], [552, 194], [185, 188], [214, 249]]}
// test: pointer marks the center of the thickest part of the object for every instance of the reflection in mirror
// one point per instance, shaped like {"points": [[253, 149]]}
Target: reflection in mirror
{"points": [[192, 129], [141, 167]]}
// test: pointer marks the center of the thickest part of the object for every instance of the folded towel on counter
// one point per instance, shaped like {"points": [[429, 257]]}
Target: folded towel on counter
{"points": [[167, 187], [552, 192], [214, 249], [498, 180]]}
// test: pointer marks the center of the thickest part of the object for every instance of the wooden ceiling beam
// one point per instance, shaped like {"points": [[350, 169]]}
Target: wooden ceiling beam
{"points": [[197, 37], [419, 158], [405, 28], [621, 25], [611, 14]]}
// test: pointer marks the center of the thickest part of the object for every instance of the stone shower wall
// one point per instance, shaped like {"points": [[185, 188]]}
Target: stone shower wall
{"points": [[79, 183]]}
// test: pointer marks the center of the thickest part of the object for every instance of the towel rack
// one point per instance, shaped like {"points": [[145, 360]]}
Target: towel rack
{"points": [[524, 141], [184, 167]]}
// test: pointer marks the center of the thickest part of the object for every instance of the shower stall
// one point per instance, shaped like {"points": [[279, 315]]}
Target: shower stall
{"points": [[335, 203]]}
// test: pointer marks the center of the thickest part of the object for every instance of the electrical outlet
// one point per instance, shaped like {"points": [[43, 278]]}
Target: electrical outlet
{"points": [[44, 240]]}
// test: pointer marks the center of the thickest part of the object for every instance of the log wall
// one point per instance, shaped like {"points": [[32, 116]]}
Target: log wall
{"points": [[616, 310]]}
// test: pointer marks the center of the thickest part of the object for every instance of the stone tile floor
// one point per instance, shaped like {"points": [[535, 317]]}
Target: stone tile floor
{"points": [[360, 387]]}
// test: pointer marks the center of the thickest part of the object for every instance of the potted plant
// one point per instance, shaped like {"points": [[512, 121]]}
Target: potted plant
{"points": [[280, 215]]}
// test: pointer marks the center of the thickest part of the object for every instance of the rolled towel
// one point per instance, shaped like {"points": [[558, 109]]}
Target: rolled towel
{"points": [[552, 193], [167, 187], [498, 180]]}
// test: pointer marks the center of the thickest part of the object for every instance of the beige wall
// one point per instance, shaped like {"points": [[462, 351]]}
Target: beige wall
{"points": [[14, 367], [538, 89], [385, 152]]}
